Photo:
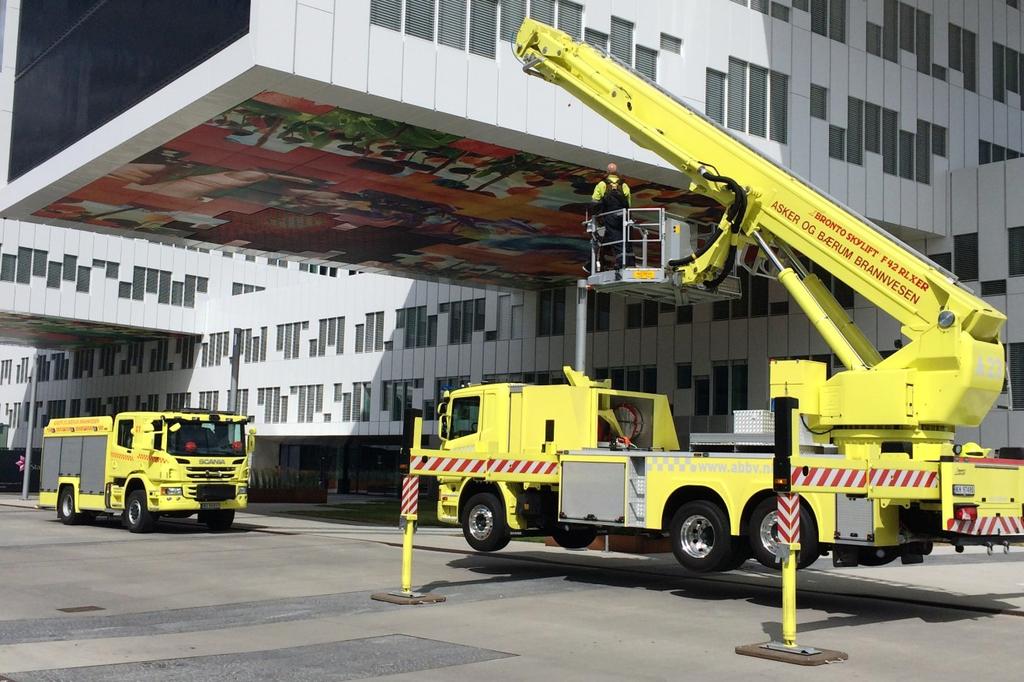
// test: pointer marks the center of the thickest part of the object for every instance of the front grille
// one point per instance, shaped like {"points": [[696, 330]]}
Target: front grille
{"points": [[209, 473], [215, 493]]}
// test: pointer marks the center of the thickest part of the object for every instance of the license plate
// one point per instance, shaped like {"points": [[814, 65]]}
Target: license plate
{"points": [[209, 505]]}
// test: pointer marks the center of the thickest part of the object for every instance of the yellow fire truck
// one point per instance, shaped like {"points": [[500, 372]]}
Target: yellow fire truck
{"points": [[144, 465], [878, 467]]}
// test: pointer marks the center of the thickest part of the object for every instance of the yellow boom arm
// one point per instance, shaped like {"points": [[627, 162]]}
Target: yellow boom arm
{"points": [[951, 371]]}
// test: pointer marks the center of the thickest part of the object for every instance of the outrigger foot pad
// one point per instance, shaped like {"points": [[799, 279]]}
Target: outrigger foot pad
{"points": [[798, 655], [408, 598]]}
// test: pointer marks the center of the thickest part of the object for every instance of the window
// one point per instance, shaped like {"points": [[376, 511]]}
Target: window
{"points": [[923, 38], [819, 17], [647, 62], [1015, 369], [874, 39], [543, 11], [998, 73], [596, 38], [939, 140], [551, 312], [684, 375], [907, 33], [465, 417], [890, 137], [570, 18], [836, 143], [906, 155], [965, 256], [714, 96], [684, 314], [819, 102], [970, 60], [890, 30], [419, 18], [778, 110], [671, 44], [994, 287], [621, 36], [512, 14], [483, 26], [598, 312], [737, 94], [780, 11], [124, 433], [451, 23], [757, 123], [386, 13], [465, 317], [922, 142], [855, 131], [1015, 237]]}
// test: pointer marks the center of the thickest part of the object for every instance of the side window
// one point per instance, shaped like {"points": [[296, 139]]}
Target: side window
{"points": [[465, 416], [124, 433], [158, 435]]}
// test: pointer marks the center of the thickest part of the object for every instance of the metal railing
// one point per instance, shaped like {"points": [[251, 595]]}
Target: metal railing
{"points": [[640, 244]]}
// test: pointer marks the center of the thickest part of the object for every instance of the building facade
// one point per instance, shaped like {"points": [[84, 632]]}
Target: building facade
{"points": [[911, 113]]}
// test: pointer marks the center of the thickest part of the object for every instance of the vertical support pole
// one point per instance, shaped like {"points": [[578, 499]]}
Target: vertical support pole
{"points": [[236, 366], [580, 361], [410, 513], [789, 593], [33, 384]]}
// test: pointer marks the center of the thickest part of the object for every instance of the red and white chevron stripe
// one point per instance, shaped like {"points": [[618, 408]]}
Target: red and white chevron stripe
{"points": [[904, 478], [987, 525], [410, 495], [453, 465], [460, 465], [522, 466], [788, 514], [828, 477]]}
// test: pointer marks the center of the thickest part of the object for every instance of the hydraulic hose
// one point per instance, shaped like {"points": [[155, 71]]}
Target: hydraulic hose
{"points": [[735, 214]]}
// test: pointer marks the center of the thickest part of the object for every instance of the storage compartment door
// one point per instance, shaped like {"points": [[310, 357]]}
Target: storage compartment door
{"points": [[71, 456], [94, 464], [593, 491], [50, 466]]}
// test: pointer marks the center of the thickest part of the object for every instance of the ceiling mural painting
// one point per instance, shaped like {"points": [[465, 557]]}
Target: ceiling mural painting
{"points": [[47, 331], [283, 174]]}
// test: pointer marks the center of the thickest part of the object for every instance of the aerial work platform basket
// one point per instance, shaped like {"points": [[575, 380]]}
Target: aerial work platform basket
{"points": [[634, 260]]}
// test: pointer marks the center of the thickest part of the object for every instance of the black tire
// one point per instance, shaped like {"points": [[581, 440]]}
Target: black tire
{"points": [[573, 537], [484, 524], [740, 554], [220, 519], [700, 537], [877, 556], [66, 507], [137, 517], [762, 525]]}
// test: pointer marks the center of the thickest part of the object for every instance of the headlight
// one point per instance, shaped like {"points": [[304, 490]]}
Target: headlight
{"points": [[170, 490], [242, 490]]}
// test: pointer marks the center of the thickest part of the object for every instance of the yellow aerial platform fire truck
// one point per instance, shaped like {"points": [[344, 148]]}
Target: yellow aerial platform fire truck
{"points": [[144, 465], [878, 467]]}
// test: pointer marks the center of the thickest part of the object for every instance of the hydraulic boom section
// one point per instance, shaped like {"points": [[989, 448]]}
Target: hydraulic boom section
{"points": [[949, 373]]}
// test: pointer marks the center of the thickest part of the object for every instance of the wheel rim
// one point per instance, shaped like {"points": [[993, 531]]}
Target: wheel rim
{"points": [[697, 536], [481, 522], [134, 512], [66, 508], [769, 532]]}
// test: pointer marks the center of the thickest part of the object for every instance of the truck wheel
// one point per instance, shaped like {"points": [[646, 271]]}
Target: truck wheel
{"points": [[137, 517], [763, 533], [573, 537], [700, 536], [484, 524], [220, 519], [66, 507]]}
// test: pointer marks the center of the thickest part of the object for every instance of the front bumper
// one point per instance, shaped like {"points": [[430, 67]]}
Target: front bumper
{"points": [[199, 496]]}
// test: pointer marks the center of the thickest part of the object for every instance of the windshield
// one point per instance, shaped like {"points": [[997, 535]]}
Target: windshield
{"points": [[205, 438]]}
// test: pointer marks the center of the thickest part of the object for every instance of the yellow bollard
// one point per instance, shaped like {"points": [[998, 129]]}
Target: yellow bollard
{"points": [[410, 529], [789, 596], [408, 516]]}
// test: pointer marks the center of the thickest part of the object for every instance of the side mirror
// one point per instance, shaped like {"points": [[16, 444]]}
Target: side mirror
{"points": [[442, 405], [175, 427], [250, 441], [443, 427]]}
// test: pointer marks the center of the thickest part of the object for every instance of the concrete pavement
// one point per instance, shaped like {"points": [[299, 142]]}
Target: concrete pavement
{"points": [[288, 598]]}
